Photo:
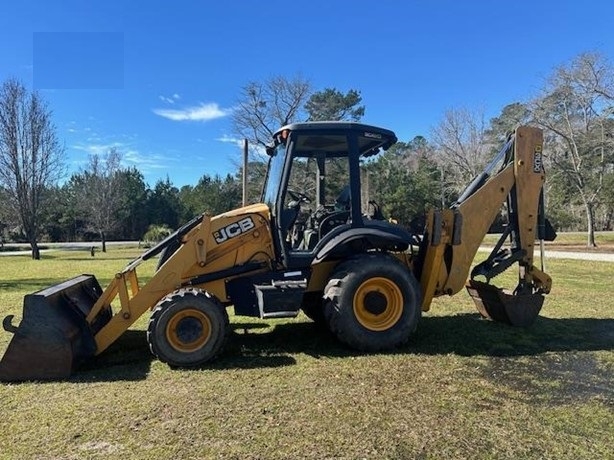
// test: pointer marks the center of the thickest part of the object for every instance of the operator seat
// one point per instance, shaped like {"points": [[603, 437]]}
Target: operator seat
{"points": [[333, 220]]}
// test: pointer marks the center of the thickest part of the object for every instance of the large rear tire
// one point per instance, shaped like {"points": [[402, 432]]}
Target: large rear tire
{"points": [[372, 302], [188, 328]]}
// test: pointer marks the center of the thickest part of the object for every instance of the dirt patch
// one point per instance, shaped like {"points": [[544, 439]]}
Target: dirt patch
{"points": [[101, 447]]}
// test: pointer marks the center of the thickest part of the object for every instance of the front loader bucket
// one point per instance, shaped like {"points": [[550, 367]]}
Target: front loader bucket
{"points": [[496, 304], [53, 336]]}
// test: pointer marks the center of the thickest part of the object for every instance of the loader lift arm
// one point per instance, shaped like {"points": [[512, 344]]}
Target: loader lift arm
{"points": [[66, 324], [453, 236]]}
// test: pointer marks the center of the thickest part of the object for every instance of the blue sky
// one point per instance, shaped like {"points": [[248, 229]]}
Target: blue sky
{"points": [[158, 79]]}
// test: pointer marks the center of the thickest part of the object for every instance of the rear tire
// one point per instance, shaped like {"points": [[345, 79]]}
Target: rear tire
{"points": [[372, 302], [188, 328]]}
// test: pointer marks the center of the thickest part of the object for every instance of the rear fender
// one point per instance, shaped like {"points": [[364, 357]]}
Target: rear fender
{"points": [[348, 241]]}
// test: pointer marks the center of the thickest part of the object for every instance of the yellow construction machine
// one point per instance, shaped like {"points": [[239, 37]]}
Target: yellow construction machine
{"points": [[316, 243]]}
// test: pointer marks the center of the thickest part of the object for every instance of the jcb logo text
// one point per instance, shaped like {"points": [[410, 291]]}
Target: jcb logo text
{"points": [[233, 230]]}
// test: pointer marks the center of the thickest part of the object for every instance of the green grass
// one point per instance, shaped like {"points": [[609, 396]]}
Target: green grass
{"points": [[571, 241], [462, 388]]}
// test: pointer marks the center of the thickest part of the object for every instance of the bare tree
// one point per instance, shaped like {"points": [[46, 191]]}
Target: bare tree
{"points": [[576, 110], [462, 146], [5, 215], [99, 192], [263, 107], [30, 155]]}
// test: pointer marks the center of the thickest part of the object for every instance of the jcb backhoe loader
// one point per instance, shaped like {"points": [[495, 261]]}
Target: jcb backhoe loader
{"points": [[316, 242]]}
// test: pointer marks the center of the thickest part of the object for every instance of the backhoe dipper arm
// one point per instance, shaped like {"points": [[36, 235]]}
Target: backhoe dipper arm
{"points": [[453, 236]]}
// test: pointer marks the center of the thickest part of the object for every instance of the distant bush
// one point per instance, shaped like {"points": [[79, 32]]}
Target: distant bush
{"points": [[156, 233]]}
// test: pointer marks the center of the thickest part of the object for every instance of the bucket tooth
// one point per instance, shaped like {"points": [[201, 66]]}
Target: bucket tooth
{"points": [[53, 336], [499, 305]]}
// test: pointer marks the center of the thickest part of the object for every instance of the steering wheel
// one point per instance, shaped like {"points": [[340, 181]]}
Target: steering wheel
{"points": [[298, 196]]}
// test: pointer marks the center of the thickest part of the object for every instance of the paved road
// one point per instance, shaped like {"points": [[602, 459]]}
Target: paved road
{"points": [[75, 246], [599, 256], [596, 256]]}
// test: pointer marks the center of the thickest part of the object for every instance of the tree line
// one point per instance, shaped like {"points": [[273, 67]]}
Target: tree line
{"points": [[575, 107], [102, 203]]}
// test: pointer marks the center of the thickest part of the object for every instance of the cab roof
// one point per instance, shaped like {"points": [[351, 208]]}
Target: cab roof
{"points": [[324, 136]]}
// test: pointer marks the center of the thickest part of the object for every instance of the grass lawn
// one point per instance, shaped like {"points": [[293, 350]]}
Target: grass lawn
{"points": [[462, 388], [572, 241]]}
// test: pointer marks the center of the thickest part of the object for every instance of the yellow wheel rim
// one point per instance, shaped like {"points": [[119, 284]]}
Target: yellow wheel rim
{"points": [[189, 330], [378, 304]]}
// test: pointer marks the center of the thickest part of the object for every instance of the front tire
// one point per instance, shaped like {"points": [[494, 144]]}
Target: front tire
{"points": [[372, 302], [188, 328], [313, 307]]}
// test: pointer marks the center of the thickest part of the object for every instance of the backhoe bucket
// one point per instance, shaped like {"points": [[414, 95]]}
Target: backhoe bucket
{"points": [[499, 305], [53, 336]]}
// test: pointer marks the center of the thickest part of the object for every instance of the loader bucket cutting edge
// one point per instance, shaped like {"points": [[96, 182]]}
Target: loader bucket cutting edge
{"points": [[53, 336], [494, 303]]}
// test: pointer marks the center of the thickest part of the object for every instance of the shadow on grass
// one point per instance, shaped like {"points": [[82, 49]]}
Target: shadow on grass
{"points": [[127, 359], [28, 284], [470, 335], [466, 335], [553, 378]]}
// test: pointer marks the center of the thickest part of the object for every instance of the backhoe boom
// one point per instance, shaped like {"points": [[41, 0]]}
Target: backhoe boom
{"points": [[455, 235]]}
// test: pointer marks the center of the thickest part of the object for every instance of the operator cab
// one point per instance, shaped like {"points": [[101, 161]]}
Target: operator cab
{"points": [[313, 184]]}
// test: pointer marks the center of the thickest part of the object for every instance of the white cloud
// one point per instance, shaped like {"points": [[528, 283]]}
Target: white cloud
{"points": [[130, 156], [147, 162], [96, 148], [168, 100], [202, 112], [231, 140], [257, 150]]}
